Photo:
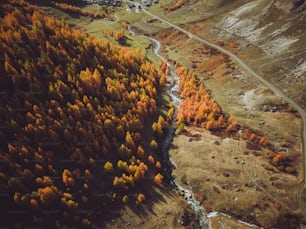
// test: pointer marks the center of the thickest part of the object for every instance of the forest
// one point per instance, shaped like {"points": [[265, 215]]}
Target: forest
{"points": [[73, 116], [80, 127]]}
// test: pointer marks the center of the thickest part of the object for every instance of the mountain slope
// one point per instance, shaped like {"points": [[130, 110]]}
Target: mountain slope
{"points": [[76, 117], [269, 36]]}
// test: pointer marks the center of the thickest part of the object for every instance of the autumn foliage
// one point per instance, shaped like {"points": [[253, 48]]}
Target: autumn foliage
{"points": [[197, 107], [175, 4], [76, 118]]}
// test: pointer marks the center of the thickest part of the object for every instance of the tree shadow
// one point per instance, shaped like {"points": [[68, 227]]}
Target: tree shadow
{"points": [[115, 211]]}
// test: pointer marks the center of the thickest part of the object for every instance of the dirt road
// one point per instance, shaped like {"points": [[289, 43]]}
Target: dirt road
{"points": [[278, 92]]}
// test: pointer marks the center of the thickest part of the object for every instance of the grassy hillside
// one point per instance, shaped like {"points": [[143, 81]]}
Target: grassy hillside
{"points": [[269, 35]]}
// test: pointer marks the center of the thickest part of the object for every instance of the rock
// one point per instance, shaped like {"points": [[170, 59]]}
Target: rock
{"points": [[226, 174], [216, 189], [185, 219], [225, 186]]}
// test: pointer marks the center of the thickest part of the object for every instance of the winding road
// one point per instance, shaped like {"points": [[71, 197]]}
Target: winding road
{"points": [[263, 81]]}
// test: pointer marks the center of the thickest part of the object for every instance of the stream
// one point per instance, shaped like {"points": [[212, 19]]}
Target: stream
{"points": [[172, 89], [173, 92]]}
